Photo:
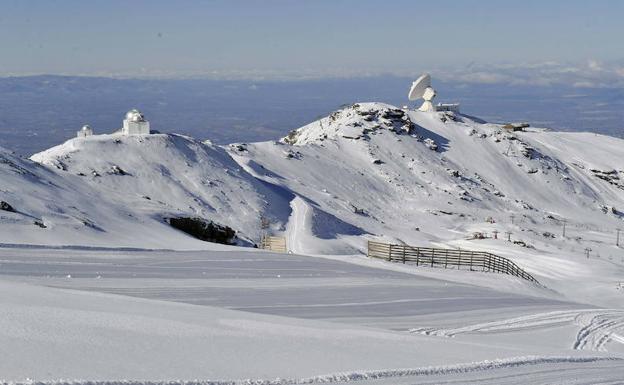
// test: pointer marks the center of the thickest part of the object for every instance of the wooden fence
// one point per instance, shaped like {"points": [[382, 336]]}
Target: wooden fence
{"points": [[272, 243], [433, 257]]}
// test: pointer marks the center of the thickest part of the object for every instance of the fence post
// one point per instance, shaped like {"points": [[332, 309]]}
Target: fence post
{"points": [[368, 253], [446, 259], [390, 253], [432, 256], [417, 255], [404, 254], [471, 255]]}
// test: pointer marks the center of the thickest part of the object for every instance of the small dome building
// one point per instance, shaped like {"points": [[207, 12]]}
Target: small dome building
{"points": [[85, 131], [135, 123]]}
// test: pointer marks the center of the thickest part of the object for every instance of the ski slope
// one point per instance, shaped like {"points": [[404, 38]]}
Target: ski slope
{"points": [[149, 316], [278, 284]]}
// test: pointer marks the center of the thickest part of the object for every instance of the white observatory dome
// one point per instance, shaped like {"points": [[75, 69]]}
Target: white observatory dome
{"points": [[135, 123], [135, 115], [85, 131]]}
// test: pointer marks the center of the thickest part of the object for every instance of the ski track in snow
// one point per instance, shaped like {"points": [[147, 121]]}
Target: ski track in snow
{"points": [[298, 225], [482, 366], [598, 327]]}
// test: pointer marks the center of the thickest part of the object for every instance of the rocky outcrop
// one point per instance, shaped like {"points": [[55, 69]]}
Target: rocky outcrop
{"points": [[4, 206], [205, 230]]}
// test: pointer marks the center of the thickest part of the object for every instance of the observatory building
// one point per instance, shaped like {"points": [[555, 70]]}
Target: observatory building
{"points": [[451, 107], [135, 123], [85, 131]]}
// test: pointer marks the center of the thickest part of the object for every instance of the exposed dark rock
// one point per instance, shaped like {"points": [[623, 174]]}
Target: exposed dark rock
{"points": [[6, 207], [117, 171], [291, 138], [205, 230], [242, 147], [610, 176], [453, 173], [431, 144], [290, 154], [393, 114], [523, 244]]}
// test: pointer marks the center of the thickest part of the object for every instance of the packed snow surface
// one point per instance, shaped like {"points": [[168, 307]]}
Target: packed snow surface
{"points": [[227, 315]]}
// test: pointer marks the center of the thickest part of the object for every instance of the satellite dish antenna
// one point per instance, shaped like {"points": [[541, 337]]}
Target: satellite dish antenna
{"points": [[421, 89]]}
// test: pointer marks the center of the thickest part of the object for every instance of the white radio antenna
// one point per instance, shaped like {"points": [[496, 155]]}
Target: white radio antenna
{"points": [[421, 89]]}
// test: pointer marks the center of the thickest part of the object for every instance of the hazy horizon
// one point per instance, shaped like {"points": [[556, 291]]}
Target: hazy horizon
{"points": [[486, 42], [42, 111], [247, 71]]}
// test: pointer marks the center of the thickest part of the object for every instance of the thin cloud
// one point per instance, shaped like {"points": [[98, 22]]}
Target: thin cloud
{"points": [[591, 74]]}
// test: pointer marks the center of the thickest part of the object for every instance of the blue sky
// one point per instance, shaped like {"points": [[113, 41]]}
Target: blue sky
{"points": [[310, 38]]}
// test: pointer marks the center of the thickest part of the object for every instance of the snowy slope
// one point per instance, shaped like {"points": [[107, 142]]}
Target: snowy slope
{"points": [[153, 177], [435, 179], [210, 343], [479, 170], [47, 334], [58, 209]]}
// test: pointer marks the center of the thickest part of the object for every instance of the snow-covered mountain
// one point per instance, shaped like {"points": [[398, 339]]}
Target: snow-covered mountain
{"points": [[160, 176], [437, 177], [46, 207], [452, 181], [368, 171]]}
